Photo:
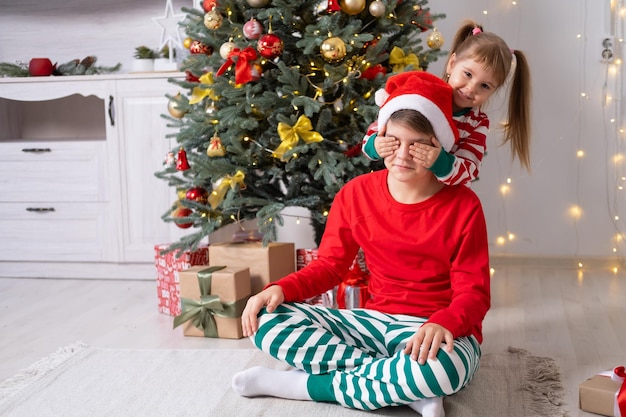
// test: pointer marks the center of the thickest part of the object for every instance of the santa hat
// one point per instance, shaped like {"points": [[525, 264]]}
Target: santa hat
{"points": [[424, 92]]}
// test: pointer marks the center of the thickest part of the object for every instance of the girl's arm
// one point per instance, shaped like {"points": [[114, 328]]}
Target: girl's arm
{"points": [[462, 164]]}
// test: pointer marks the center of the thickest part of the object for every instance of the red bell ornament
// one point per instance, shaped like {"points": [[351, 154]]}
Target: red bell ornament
{"points": [[270, 46], [181, 160]]}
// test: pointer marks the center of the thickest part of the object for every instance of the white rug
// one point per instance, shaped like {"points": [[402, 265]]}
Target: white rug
{"points": [[88, 382]]}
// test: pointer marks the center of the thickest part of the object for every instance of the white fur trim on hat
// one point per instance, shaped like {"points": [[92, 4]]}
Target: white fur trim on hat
{"points": [[425, 93], [443, 131]]}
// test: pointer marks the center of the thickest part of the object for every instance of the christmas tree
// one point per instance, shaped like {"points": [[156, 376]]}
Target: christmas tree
{"points": [[277, 99]]}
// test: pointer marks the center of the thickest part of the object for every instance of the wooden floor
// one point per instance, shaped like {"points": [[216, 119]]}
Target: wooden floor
{"points": [[577, 318]]}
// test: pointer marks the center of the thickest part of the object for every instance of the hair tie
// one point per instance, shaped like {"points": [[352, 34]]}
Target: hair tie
{"points": [[476, 31]]}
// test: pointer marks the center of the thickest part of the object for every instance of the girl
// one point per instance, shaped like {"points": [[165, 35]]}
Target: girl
{"points": [[418, 337], [479, 64]]}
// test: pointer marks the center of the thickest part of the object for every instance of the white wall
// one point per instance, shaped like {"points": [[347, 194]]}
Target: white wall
{"points": [[63, 30], [536, 210]]}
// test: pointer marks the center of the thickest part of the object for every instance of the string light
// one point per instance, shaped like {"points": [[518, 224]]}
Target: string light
{"points": [[575, 212]]}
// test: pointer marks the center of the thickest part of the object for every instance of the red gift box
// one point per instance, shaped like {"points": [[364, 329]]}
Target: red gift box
{"points": [[327, 299], [352, 292], [167, 266]]}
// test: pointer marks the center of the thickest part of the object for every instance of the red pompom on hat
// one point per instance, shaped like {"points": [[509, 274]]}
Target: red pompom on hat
{"points": [[424, 92]]}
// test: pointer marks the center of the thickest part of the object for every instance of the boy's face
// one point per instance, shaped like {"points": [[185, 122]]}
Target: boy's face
{"points": [[401, 164]]}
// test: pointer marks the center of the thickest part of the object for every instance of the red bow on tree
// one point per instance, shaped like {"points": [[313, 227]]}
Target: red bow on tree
{"points": [[243, 71]]}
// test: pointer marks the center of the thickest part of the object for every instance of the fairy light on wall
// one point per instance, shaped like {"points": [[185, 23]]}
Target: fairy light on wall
{"points": [[612, 96], [613, 112]]}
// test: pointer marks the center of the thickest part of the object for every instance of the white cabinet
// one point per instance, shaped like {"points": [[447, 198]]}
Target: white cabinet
{"points": [[78, 195], [143, 148]]}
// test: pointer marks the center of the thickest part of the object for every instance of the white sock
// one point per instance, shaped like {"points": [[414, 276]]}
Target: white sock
{"points": [[429, 407], [257, 381]]}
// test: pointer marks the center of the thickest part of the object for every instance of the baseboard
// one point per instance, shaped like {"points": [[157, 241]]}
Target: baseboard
{"points": [[560, 262], [147, 271]]}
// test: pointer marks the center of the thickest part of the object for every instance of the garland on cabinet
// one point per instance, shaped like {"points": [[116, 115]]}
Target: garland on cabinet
{"points": [[44, 67]]}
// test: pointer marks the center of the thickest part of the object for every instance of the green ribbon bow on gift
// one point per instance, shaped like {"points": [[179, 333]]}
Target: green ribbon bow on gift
{"points": [[201, 312]]}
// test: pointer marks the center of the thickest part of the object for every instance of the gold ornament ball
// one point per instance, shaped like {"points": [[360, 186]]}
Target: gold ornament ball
{"points": [[213, 20], [211, 109], [226, 49], [187, 43], [257, 3], [377, 8], [352, 7], [333, 49], [435, 40], [172, 107]]}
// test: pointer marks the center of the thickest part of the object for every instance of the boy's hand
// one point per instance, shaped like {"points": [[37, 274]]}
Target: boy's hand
{"points": [[271, 297], [426, 342], [425, 155], [385, 145]]}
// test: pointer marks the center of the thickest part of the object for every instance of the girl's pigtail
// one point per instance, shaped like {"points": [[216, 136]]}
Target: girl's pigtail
{"points": [[517, 128], [463, 32]]}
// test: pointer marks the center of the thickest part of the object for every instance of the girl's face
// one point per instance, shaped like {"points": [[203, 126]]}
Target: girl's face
{"points": [[400, 164], [471, 83]]}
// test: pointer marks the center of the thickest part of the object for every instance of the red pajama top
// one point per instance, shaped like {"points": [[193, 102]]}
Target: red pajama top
{"points": [[428, 259]]}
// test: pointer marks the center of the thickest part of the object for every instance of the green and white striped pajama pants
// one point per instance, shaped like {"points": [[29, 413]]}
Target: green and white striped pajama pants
{"points": [[355, 358]]}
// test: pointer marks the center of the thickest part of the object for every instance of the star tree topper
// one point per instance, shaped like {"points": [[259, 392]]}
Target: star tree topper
{"points": [[170, 31]]}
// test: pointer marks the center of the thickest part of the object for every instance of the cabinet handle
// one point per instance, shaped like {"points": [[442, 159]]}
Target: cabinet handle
{"points": [[40, 209], [111, 115], [37, 150]]}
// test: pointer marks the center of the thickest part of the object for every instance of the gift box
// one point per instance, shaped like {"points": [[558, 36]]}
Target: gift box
{"points": [[267, 263], [327, 299], [604, 393], [353, 290], [305, 257], [212, 300], [167, 266]]}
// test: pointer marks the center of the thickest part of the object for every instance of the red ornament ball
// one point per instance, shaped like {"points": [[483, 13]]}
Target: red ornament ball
{"points": [[270, 46], [208, 5], [198, 47], [180, 213], [252, 29], [197, 194]]}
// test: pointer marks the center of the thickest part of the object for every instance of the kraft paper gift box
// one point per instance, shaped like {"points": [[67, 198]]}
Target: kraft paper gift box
{"points": [[599, 394], [212, 299], [167, 266], [267, 264]]}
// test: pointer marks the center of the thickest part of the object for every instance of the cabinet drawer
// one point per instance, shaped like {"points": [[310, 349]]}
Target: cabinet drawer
{"points": [[71, 232], [59, 171]]}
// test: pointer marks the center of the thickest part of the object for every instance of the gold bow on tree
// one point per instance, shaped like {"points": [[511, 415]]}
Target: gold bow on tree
{"points": [[289, 135], [399, 60], [199, 93], [232, 181]]}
